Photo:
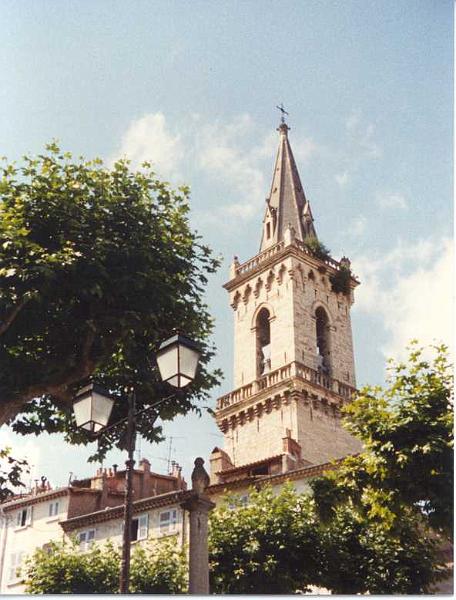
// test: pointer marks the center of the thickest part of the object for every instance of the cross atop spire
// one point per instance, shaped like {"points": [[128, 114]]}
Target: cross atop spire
{"points": [[283, 111], [286, 205]]}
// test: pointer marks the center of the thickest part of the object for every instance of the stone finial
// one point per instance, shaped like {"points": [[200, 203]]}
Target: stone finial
{"points": [[289, 235], [200, 478], [283, 129], [233, 267], [345, 262]]}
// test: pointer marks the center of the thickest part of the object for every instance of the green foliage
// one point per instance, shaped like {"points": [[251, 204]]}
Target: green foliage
{"points": [[407, 433], [97, 267], [269, 546], [11, 470], [363, 556], [278, 544], [340, 281], [159, 568], [317, 248], [61, 568]]}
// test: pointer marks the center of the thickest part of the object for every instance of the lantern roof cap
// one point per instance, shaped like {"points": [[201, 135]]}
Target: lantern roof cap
{"points": [[92, 387], [178, 338]]}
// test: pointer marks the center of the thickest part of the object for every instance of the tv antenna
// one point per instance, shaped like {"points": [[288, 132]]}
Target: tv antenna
{"points": [[170, 448]]}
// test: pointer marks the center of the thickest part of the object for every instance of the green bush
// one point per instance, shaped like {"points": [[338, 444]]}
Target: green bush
{"points": [[340, 282], [159, 567], [317, 248]]}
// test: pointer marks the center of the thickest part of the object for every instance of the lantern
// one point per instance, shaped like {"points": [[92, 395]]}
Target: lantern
{"points": [[92, 407], [177, 360]]}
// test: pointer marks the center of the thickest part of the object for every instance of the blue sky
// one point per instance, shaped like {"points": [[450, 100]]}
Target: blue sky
{"points": [[193, 86]]}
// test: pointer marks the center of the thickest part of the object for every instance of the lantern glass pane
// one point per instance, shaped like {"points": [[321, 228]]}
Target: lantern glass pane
{"points": [[101, 409], [82, 411], [189, 358], [167, 363], [174, 381]]}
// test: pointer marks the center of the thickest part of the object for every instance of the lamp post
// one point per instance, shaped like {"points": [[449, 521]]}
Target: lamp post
{"points": [[177, 359]]}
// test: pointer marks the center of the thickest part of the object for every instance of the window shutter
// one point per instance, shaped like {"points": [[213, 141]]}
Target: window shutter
{"points": [[28, 518], [143, 527], [12, 569], [15, 563], [164, 521], [173, 519], [19, 518]]}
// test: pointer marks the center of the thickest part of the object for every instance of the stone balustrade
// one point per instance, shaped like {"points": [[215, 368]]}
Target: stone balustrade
{"points": [[251, 264], [293, 369], [254, 262]]}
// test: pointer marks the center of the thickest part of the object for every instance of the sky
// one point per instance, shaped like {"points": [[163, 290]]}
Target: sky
{"points": [[193, 87]]}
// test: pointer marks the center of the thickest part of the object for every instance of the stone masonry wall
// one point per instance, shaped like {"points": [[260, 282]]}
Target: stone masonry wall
{"points": [[320, 433], [259, 438]]}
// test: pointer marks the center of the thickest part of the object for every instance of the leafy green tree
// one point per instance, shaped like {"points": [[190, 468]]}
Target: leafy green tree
{"points": [[279, 544], [159, 568], [97, 267], [363, 555], [60, 568], [11, 470], [269, 546], [407, 433]]}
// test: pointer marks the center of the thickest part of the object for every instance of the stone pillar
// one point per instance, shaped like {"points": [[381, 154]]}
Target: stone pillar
{"points": [[198, 506]]}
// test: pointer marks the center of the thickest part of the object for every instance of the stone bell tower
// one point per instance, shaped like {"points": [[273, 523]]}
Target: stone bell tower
{"points": [[293, 351]]}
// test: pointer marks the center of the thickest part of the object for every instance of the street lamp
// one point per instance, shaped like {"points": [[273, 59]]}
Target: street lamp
{"points": [[177, 360], [92, 408]]}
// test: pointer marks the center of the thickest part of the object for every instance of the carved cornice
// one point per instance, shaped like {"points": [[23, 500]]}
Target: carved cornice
{"points": [[296, 389], [263, 261], [291, 376]]}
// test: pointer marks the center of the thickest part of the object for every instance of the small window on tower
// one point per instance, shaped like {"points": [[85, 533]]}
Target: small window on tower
{"points": [[268, 230]]}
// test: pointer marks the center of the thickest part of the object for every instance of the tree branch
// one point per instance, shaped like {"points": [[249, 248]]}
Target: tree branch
{"points": [[6, 323], [59, 388]]}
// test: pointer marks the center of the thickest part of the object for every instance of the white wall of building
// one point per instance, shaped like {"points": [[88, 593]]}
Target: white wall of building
{"points": [[24, 533]]}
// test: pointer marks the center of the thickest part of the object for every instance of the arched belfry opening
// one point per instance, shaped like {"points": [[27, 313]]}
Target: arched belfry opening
{"points": [[323, 340], [263, 342]]}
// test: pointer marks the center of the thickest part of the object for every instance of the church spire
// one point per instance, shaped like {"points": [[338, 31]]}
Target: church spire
{"points": [[287, 205]]}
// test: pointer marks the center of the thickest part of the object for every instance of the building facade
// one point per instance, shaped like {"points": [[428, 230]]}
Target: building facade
{"points": [[90, 510]]}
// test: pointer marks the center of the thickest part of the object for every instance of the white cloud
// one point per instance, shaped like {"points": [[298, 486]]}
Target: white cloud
{"points": [[358, 145], [304, 149], [234, 155], [391, 200], [342, 178], [149, 139], [411, 289], [362, 136], [358, 225], [221, 154]]}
